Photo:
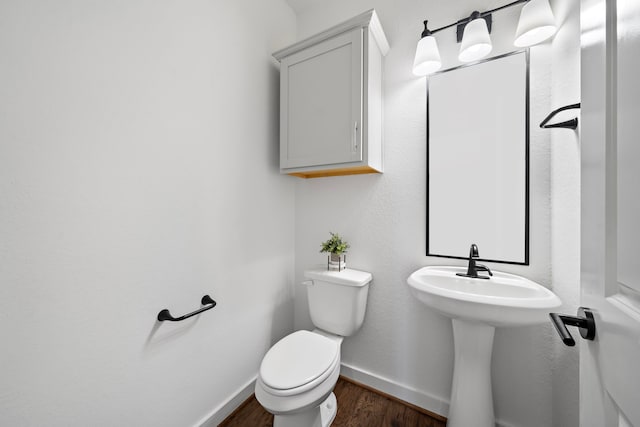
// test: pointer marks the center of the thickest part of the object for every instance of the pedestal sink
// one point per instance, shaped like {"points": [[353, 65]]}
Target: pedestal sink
{"points": [[476, 307]]}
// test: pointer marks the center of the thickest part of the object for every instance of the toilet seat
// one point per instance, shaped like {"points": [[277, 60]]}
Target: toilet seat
{"points": [[298, 362]]}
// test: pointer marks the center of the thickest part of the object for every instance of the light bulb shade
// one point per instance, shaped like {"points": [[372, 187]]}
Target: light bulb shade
{"points": [[476, 43], [427, 58], [536, 23]]}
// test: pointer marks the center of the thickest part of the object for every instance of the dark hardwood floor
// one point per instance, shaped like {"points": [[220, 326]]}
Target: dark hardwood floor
{"points": [[358, 406]]}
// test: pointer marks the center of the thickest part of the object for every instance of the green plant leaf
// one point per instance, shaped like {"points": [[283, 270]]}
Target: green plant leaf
{"points": [[335, 245]]}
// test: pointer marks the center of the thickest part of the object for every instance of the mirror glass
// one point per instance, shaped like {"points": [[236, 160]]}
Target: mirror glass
{"points": [[478, 160]]}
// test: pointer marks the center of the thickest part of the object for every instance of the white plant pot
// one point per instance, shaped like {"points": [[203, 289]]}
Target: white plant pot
{"points": [[337, 262]]}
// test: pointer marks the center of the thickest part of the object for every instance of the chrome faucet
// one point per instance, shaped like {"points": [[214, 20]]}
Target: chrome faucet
{"points": [[474, 267]]}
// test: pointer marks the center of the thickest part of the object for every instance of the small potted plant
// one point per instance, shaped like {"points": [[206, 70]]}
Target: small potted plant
{"points": [[336, 247]]}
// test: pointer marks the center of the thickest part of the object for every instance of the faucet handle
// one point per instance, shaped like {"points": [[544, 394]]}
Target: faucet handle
{"points": [[473, 251], [481, 267]]}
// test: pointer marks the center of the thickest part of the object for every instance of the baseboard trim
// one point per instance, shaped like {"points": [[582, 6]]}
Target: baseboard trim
{"points": [[419, 400], [229, 406], [434, 406]]}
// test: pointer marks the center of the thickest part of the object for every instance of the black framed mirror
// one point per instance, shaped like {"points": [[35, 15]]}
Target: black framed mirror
{"points": [[478, 160]]}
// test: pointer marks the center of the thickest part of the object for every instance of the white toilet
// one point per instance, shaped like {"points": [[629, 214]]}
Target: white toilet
{"points": [[299, 372]]}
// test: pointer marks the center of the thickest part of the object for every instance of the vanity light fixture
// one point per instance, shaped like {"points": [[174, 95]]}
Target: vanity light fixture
{"points": [[427, 59], [536, 25], [476, 43]]}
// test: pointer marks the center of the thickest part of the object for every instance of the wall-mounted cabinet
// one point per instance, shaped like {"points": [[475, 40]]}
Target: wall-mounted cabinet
{"points": [[331, 101]]}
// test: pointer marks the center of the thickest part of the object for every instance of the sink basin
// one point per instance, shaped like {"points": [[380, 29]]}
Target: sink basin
{"points": [[503, 300], [476, 307]]}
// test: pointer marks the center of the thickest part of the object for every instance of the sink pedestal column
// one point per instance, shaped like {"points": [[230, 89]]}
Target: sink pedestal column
{"points": [[471, 397]]}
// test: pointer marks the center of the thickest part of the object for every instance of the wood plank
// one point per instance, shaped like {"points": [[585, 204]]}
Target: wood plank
{"points": [[388, 396], [358, 406], [249, 413], [359, 170]]}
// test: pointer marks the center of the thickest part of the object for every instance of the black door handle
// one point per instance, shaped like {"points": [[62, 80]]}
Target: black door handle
{"points": [[584, 321]]}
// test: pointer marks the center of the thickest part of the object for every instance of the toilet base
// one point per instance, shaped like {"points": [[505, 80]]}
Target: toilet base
{"points": [[319, 416]]}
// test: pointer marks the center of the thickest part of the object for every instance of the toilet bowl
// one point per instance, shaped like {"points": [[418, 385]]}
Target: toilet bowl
{"points": [[297, 377], [299, 372]]}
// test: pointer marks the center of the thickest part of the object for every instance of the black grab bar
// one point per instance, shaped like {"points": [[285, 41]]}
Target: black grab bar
{"points": [[206, 301]]}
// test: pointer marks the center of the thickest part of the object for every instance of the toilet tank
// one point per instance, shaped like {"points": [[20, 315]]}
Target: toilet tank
{"points": [[338, 299]]}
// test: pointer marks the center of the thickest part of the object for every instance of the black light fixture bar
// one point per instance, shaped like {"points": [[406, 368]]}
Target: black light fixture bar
{"points": [[463, 22], [504, 7]]}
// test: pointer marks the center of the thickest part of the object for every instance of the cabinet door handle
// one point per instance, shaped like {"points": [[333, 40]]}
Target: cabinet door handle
{"points": [[355, 137]]}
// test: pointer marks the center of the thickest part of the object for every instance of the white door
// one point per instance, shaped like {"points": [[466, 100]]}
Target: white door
{"points": [[610, 213], [321, 103]]}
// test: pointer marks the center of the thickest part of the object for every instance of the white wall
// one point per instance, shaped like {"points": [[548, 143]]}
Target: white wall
{"points": [[138, 171], [565, 205], [402, 344]]}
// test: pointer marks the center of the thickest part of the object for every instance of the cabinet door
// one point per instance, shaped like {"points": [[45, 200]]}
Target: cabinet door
{"points": [[321, 103]]}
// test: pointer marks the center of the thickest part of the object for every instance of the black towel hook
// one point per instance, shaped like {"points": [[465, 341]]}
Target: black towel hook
{"points": [[206, 301], [569, 124]]}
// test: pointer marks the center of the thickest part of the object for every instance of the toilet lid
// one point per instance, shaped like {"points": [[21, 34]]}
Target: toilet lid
{"points": [[297, 359]]}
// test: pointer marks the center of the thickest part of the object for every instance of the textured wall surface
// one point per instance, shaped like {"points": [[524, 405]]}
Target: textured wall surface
{"points": [[383, 217], [138, 171], [565, 205]]}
